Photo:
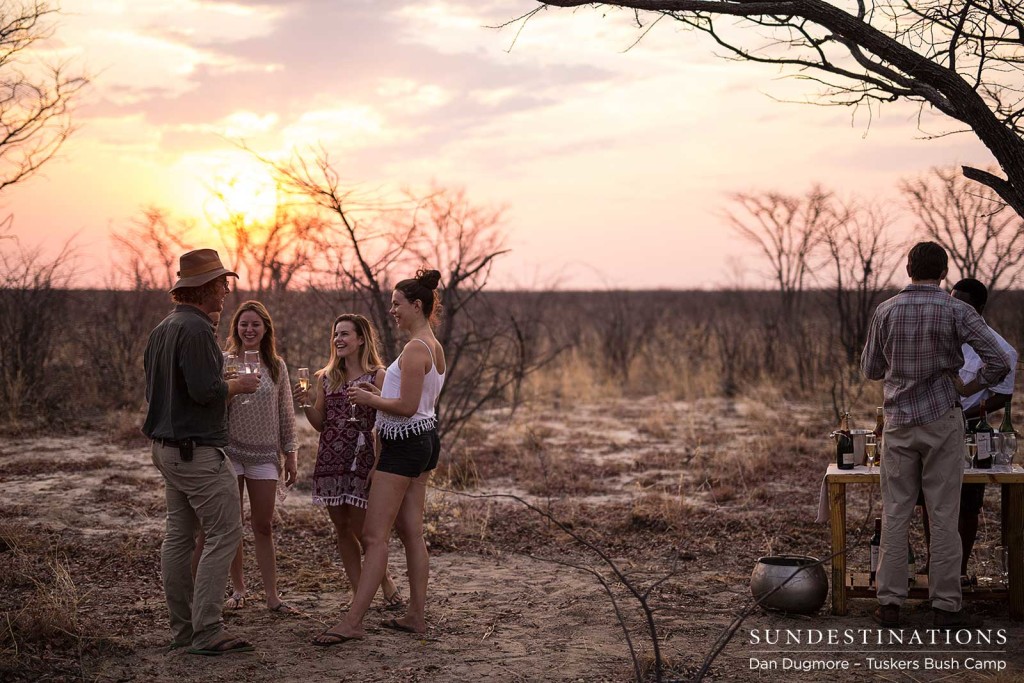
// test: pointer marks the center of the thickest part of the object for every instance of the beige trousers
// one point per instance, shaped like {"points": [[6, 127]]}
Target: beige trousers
{"points": [[204, 491], [926, 458]]}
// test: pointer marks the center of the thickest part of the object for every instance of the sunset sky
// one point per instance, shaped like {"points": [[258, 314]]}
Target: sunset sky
{"points": [[614, 165]]}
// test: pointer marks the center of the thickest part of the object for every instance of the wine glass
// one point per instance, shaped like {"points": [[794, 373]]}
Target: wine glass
{"points": [[1002, 553], [871, 449], [1009, 447], [251, 366], [231, 366], [304, 385], [972, 450], [353, 417]]}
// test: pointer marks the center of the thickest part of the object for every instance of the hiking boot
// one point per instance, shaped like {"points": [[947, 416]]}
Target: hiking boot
{"points": [[944, 619], [887, 616]]}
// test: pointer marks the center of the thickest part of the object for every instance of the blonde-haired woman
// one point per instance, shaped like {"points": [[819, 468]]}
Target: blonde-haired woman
{"points": [[407, 426], [259, 431], [345, 455]]}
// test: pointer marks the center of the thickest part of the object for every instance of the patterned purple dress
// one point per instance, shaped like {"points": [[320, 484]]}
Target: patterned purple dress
{"points": [[345, 453]]}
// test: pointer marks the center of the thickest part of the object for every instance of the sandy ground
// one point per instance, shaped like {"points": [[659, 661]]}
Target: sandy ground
{"points": [[511, 598]]}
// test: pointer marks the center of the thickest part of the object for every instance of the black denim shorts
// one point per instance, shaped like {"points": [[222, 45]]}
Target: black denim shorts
{"points": [[411, 456]]}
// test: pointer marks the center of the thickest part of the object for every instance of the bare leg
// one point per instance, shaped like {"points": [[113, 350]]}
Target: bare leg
{"points": [[237, 570], [345, 526], [386, 498], [388, 588], [410, 529], [262, 496]]}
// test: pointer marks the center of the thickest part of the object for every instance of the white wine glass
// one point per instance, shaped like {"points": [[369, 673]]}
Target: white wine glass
{"points": [[971, 450], [871, 449], [251, 366], [304, 385], [1009, 447], [231, 366], [353, 417]]}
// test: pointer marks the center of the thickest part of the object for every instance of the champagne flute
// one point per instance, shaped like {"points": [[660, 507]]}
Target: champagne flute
{"points": [[353, 418], [304, 385], [972, 450], [251, 366], [871, 449]]}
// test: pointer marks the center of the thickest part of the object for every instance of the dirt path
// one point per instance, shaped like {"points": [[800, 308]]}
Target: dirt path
{"points": [[81, 525]]}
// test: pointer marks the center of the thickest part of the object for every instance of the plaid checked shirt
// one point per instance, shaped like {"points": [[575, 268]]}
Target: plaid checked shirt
{"points": [[914, 344]]}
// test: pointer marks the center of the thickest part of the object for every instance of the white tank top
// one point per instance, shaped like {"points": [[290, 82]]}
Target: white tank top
{"points": [[397, 426]]}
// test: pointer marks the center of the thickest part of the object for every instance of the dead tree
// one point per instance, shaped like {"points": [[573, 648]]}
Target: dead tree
{"points": [[367, 244], [787, 229], [150, 246], [33, 307], [35, 99], [960, 58], [984, 237], [863, 258]]}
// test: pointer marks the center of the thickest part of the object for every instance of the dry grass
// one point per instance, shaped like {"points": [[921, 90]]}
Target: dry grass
{"points": [[54, 466], [44, 628]]}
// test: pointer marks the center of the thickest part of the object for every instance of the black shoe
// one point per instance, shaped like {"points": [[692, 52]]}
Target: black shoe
{"points": [[887, 616], [944, 619]]}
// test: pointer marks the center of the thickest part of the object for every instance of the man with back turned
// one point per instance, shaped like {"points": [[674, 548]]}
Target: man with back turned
{"points": [[914, 345], [187, 421]]}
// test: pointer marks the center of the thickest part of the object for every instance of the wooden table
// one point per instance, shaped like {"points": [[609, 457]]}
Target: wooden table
{"points": [[854, 585]]}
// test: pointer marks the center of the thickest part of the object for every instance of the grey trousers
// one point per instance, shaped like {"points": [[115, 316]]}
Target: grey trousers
{"points": [[926, 458], [204, 491]]}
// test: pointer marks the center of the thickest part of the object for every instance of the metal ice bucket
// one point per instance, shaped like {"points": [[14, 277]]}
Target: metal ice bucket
{"points": [[805, 593]]}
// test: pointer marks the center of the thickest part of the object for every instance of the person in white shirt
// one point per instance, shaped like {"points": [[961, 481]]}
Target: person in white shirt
{"points": [[974, 293]]}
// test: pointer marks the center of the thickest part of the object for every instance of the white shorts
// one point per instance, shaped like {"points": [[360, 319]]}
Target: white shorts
{"points": [[267, 470]]}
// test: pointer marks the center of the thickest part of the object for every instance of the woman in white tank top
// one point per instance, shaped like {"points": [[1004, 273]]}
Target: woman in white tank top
{"points": [[407, 427]]}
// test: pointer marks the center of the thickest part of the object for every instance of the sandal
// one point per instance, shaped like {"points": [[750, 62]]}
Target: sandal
{"points": [[283, 608], [236, 601], [224, 646]]}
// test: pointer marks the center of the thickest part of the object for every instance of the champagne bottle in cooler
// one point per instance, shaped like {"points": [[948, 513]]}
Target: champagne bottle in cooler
{"points": [[983, 438], [844, 444], [875, 543]]}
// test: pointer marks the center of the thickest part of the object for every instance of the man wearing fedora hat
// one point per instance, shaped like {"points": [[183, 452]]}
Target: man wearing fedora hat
{"points": [[187, 421]]}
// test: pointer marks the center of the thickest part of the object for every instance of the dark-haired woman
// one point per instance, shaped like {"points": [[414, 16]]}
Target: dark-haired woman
{"points": [[407, 427], [260, 431]]}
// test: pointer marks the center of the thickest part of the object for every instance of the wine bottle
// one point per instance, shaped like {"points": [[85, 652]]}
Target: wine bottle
{"points": [[844, 444], [1006, 426], [875, 543], [983, 438]]}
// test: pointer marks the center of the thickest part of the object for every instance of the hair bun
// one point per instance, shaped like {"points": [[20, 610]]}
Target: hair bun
{"points": [[428, 278]]}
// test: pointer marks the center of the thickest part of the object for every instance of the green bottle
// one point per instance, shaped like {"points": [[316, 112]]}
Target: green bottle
{"points": [[1006, 426]]}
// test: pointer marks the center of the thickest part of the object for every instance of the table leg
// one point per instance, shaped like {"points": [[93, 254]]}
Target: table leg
{"points": [[1013, 528], [837, 519]]}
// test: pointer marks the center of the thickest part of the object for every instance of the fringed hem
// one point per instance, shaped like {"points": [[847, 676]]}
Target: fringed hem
{"points": [[390, 428], [339, 500]]}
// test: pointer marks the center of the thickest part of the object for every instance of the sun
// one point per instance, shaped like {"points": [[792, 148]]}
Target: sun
{"points": [[232, 187]]}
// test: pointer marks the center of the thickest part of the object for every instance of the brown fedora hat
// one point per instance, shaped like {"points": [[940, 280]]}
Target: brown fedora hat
{"points": [[197, 267]]}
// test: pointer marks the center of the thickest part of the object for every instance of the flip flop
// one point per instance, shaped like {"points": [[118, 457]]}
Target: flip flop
{"points": [[396, 625], [283, 608], [225, 646], [332, 639]]}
